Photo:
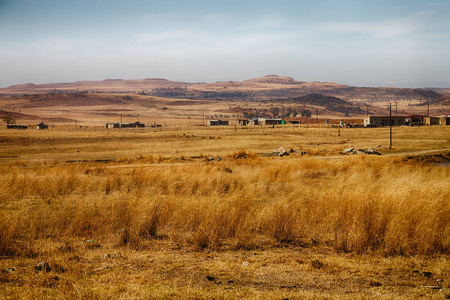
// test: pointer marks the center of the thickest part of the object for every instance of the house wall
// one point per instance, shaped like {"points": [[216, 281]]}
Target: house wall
{"points": [[444, 121], [431, 121], [380, 121]]}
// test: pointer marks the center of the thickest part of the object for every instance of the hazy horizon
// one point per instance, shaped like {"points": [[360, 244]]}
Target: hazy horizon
{"points": [[371, 43]]}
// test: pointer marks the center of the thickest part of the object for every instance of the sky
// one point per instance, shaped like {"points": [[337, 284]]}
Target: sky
{"points": [[403, 43]]}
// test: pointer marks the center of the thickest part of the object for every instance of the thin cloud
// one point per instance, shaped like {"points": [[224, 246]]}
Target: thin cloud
{"points": [[170, 35]]}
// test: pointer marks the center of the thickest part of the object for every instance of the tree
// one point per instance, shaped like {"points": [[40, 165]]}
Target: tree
{"points": [[275, 111], [288, 112], [306, 113], [8, 118]]}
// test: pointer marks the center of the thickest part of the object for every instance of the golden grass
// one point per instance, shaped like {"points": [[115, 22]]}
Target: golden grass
{"points": [[167, 221], [361, 205]]}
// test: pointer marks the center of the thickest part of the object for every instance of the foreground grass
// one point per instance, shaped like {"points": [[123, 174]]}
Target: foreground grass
{"points": [[166, 271], [244, 226]]}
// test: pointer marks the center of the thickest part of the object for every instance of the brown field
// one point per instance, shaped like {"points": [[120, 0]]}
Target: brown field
{"points": [[152, 213], [170, 103]]}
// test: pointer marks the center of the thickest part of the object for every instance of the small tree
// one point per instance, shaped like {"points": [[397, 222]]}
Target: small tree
{"points": [[275, 111], [8, 118]]}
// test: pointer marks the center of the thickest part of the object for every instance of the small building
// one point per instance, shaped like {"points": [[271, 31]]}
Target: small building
{"points": [[14, 126], [136, 125], [113, 125], [415, 120], [444, 121], [42, 126], [380, 121], [253, 121], [243, 122], [264, 121], [272, 122], [432, 121], [125, 125], [217, 123]]}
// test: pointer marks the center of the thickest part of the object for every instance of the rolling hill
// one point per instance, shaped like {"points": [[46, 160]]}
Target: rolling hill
{"points": [[155, 100]]}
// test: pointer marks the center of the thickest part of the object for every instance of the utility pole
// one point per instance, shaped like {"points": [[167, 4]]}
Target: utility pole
{"points": [[390, 126], [396, 108], [367, 109], [428, 109], [317, 114]]}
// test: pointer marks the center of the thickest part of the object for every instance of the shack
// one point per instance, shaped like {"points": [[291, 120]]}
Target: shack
{"points": [[273, 122], [444, 121], [432, 121], [415, 120], [253, 121], [125, 125], [380, 121], [42, 126], [243, 122], [14, 126], [264, 121], [217, 123]]}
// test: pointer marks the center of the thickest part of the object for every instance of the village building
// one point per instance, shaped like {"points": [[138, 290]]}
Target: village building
{"points": [[444, 121], [243, 122], [415, 120], [265, 121], [42, 126], [217, 123], [431, 121], [125, 125], [14, 126], [380, 121], [253, 121]]}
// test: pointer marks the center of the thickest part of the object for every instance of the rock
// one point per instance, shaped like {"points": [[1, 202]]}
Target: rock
{"points": [[348, 150], [274, 153], [379, 146], [219, 158], [101, 268], [210, 278], [317, 264], [210, 158], [228, 170], [360, 151], [374, 283], [371, 151], [427, 274], [59, 269], [43, 266], [8, 270], [282, 152], [245, 263]]}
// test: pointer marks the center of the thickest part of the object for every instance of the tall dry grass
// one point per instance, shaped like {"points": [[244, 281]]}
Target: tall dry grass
{"points": [[357, 204]]}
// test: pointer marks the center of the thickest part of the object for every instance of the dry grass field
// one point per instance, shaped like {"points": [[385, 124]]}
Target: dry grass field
{"points": [[153, 213]]}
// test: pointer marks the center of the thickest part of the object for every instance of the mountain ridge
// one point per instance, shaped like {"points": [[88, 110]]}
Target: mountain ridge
{"points": [[269, 87]]}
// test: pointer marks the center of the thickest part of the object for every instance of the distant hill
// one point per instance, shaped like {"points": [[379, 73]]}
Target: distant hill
{"points": [[104, 86], [263, 88]]}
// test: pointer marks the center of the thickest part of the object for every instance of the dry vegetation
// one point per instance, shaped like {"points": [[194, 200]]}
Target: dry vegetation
{"points": [[175, 225]]}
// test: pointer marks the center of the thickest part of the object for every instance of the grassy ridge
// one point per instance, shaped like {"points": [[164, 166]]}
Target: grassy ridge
{"points": [[357, 204]]}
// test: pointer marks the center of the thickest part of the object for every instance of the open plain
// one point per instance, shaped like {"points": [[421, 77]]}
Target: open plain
{"points": [[212, 213]]}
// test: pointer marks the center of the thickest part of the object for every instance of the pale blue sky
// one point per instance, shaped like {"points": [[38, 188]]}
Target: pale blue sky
{"points": [[369, 43]]}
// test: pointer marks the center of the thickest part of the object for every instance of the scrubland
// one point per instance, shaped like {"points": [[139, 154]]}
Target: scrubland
{"points": [[149, 225]]}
